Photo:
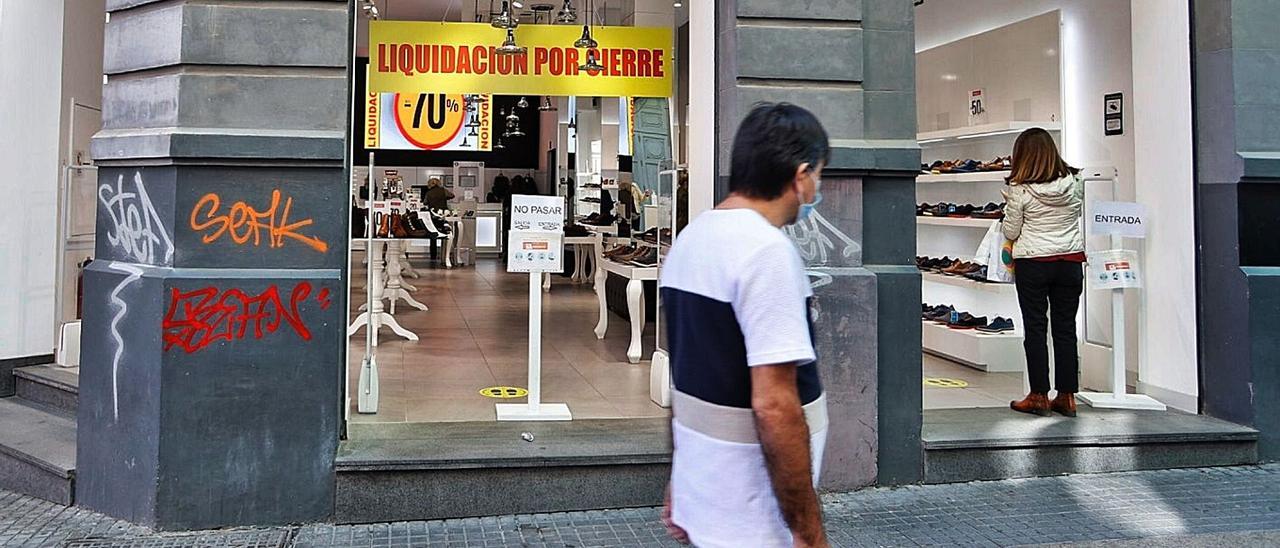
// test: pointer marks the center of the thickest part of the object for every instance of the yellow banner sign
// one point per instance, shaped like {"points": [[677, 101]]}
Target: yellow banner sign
{"points": [[415, 56]]}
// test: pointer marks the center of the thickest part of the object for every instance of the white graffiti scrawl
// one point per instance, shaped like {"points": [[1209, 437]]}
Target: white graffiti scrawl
{"points": [[136, 228], [122, 308], [814, 244]]}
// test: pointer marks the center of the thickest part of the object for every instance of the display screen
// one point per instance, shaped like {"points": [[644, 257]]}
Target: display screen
{"points": [[486, 231]]}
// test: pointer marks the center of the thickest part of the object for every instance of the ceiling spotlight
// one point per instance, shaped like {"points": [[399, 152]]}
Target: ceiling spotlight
{"points": [[547, 105], [586, 41], [567, 13], [509, 46], [513, 125], [505, 20], [592, 64], [518, 4], [523, 103], [678, 5]]}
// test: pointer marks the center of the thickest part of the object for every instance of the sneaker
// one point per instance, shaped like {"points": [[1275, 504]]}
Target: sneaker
{"points": [[998, 325], [940, 314], [965, 320]]}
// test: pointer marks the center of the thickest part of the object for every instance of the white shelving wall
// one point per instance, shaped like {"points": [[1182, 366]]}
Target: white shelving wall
{"points": [[960, 238]]}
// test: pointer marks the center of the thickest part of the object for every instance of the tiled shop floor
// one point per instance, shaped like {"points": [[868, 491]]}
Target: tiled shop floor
{"points": [[983, 389], [475, 335], [1238, 507]]}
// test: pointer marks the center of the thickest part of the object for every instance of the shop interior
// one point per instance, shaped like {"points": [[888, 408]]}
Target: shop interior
{"points": [[454, 335], [986, 70]]}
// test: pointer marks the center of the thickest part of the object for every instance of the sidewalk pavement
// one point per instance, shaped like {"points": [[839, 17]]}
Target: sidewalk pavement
{"points": [[1237, 507]]}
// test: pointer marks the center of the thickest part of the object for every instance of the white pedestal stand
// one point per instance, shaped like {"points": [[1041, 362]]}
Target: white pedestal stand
{"points": [[395, 282], [534, 410], [1118, 398], [376, 316]]}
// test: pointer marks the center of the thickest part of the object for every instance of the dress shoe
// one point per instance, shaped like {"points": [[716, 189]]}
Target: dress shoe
{"points": [[1034, 403], [965, 320], [1064, 404], [998, 325]]}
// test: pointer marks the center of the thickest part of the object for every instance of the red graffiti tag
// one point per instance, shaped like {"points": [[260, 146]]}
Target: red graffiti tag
{"points": [[202, 317]]}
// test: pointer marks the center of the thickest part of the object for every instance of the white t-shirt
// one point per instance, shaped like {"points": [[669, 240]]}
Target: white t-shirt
{"points": [[735, 296]]}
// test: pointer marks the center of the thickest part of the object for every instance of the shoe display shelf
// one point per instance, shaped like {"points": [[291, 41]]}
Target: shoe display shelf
{"points": [[965, 222], [985, 131], [974, 177], [990, 352], [966, 283], [960, 237]]}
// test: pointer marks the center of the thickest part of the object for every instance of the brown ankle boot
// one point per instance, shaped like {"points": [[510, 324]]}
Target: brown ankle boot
{"points": [[1064, 404], [1034, 403]]}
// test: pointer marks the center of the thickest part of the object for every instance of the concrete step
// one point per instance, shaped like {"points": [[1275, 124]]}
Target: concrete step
{"points": [[407, 471], [988, 444], [53, 386], [37, 451]]}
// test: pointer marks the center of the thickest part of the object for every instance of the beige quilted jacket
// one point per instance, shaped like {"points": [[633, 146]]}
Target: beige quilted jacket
{"points": [[1043, 219]]}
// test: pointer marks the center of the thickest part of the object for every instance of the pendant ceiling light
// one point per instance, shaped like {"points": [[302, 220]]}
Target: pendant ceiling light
{"points": [[523, 103], [586, 41], [592, 64], [573, 123], [369, 9], [509, 46], [473, 132], [547, 105], [567, 14], [497, 145], [505, 19], [464, 142], [477, 99], [513, 125]]}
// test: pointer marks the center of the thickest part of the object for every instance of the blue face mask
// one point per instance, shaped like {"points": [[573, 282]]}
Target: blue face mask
{"points": [[806, 210]]}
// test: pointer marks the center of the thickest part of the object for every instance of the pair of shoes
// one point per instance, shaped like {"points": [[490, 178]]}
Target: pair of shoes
{"points": [[647, 258], [935, 265], [961, 268], [1035, 404], [990, 211], [1038, 404], [576, 230], [998, 325]]}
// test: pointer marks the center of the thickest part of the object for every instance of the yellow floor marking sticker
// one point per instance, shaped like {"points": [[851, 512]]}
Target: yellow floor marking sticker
{"points": [[503, 392], [936, 382]]}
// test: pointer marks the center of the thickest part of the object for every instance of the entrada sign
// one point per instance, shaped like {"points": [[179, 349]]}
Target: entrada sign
{"points": [[412, 56]]}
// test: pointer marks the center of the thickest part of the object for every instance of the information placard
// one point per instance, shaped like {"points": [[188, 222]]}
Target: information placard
{"points": [[535, 251], [1114, 269]]}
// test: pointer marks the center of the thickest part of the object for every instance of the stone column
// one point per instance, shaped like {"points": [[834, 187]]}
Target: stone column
{"points": [[210, 389], [1236, 59], [851, 62]]}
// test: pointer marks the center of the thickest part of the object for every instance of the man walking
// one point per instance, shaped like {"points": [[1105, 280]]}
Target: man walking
{"points": [[749, 421]]}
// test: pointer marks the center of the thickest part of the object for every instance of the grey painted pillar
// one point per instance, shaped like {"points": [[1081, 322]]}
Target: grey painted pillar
{"points": [[1237, 110], [213, 327], [852, 62]]}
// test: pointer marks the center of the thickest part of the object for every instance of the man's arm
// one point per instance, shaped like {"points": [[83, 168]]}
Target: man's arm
{"points": [[784, 437]]}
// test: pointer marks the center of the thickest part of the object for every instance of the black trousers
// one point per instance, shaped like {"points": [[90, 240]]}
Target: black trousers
{"points": [[1049, 296]]}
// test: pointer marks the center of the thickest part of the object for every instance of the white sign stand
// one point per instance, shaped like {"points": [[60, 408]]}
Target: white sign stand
{"points": [[529, 211], [1118, 398]]}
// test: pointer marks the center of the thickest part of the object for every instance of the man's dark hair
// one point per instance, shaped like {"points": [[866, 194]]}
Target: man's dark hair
{"points": [[773, 140]]}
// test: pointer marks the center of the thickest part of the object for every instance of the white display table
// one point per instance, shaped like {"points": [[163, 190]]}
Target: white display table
{"points": [[635, 275]]}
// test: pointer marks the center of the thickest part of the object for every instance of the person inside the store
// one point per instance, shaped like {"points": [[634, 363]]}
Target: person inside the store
{"points": [[438, 196], [749, 417], [1045, 198]]}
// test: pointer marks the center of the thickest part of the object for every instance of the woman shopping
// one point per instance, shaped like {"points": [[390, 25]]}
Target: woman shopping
{"points": [[1044, 200]]}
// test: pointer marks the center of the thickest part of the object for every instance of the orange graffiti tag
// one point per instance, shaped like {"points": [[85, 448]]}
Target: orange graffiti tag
{"points": [[243, 223]]}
